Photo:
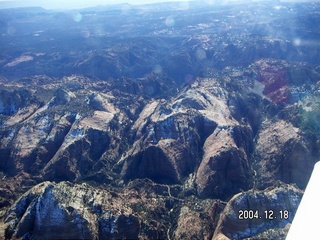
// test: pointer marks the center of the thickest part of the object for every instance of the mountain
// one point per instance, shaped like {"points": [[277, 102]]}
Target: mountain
{"points": [[198, 122]]}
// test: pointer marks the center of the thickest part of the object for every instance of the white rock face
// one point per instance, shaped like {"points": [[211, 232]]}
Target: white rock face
{"points": [[30, 135], [254, 213], [67, 211]]}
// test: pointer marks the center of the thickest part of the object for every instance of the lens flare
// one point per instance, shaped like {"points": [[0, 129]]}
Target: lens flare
{"points": [[157, 69], [86, 33], [77, 17], [170, 21], [201, 54], [297, 42], [11, 31]]}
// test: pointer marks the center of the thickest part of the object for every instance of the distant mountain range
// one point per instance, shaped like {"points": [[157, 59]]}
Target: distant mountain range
{"points": [[76, 5]]}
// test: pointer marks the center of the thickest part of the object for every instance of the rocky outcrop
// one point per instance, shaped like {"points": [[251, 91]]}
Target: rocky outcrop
{"points": [[224, 169], [192, 224], [205, 139], [66, 211], [12, 101], [46, 210], [141, 210], [253, 213], [295, 160], [170, 149]]}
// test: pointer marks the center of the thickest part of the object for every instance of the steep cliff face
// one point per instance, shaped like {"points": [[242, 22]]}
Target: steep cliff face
{"points": [[142, 210], [159, 128], [167, 140], [11, 102], [292, 164], [205, 139], [65, 211]]}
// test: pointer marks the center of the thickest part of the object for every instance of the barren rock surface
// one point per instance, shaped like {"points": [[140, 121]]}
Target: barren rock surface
{"points": [[65, 211], [253, 212]]}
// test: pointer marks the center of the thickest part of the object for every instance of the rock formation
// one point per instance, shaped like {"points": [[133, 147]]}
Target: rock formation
{"points": [[255, 212], [64, 211]]}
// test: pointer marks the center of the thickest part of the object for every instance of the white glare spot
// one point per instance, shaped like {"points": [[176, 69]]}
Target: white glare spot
{"points": [[297, 41], [201, 54], [11, 31], [157, 69], [277, 7], [77, 17], [170, 22], [217, 2]]}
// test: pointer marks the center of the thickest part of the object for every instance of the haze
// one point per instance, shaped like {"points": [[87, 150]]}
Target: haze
{"points": [[62, 4], [72, 4]]}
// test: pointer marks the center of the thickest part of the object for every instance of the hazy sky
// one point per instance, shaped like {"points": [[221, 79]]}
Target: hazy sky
{"points": [[76, 3], [64, 4]]}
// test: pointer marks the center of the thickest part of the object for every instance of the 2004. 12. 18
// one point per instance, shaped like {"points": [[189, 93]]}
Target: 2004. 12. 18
{"points": [[249, 214]]}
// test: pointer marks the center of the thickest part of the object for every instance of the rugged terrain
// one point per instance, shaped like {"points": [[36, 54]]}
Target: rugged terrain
{"points": [[170, 121]]}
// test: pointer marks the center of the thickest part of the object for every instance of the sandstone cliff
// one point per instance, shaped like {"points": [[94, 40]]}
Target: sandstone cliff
{"points": [[215, 138]]}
